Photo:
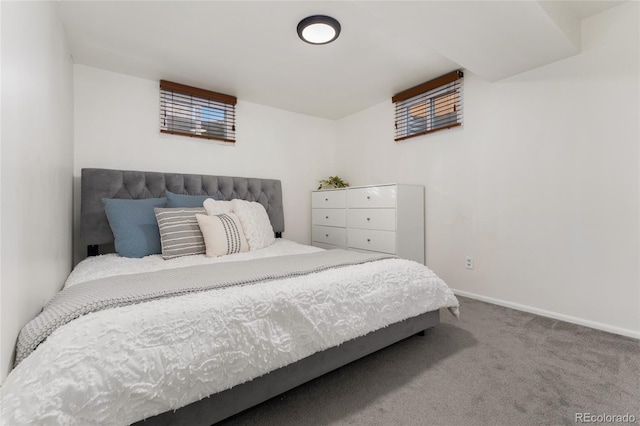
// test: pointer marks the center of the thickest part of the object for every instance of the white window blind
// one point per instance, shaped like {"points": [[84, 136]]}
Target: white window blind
{"points": [[429, 107], [189, 111]]}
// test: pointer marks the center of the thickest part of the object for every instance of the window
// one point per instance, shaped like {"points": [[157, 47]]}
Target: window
{"points": [[189, 111], [431, 106]]}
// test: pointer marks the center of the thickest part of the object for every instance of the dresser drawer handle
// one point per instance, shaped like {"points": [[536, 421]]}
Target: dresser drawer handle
{"points": [[368, 240], [326, 217], [368, 197], [326, 235], [368, 219], [326, 199]]}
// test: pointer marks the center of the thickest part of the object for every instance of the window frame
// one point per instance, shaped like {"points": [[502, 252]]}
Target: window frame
{"points": [[185, 103], [429, 93]]}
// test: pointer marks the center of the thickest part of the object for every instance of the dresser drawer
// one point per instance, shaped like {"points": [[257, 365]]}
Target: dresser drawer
{"points": [[329, 217], [366, 239], [328, 199], [329, 235], [379, 196], [381, 219]]}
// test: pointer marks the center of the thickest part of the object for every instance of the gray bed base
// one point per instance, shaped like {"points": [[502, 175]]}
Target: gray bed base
{"points": [[95, 230]]}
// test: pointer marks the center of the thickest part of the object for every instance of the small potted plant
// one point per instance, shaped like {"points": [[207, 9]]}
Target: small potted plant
{"points": [[333, 182]]}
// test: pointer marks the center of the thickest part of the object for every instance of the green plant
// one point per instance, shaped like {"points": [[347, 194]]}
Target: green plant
{"points": [[333, 182]]}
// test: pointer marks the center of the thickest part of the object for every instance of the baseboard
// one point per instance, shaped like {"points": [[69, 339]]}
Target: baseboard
{"points": [[567, 318]]}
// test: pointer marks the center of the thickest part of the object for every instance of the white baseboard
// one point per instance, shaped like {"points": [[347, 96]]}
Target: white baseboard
{"points": [[592, 324]]}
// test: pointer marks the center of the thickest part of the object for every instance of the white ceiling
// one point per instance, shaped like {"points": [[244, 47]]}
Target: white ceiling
{"points": [[250, 49]]}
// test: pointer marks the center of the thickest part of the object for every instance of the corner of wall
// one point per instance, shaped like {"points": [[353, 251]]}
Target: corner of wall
{"points": [[37, 151]]}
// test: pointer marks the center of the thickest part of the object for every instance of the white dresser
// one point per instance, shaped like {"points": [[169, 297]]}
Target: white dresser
{"points": [[381, 218]]}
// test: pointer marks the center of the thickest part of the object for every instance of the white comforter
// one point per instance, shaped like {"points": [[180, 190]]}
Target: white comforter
{"points": [[122, 365]]}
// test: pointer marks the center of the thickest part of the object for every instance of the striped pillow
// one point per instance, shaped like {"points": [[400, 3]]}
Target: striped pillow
{"points": [[180, 234], [223, 234]]}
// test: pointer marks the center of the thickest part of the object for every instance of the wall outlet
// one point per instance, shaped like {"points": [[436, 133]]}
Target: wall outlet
{"points": [[468, 262]]}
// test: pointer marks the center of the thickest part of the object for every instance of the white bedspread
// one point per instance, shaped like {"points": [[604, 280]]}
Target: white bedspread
{"points": [[122, 365], [109, 265]]}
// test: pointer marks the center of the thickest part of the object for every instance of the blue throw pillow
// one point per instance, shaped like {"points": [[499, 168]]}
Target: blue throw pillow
{"points": [[179, 200], [134, 225]]}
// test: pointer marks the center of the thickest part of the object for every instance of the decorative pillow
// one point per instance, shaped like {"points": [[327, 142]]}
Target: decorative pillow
{"points": [[179, 231], [180, 200], [255, 223], [222, 234], [214, 207], [134, 225]]}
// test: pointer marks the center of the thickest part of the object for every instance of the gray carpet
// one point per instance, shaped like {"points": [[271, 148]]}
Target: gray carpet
{"points": [[493, 366]]}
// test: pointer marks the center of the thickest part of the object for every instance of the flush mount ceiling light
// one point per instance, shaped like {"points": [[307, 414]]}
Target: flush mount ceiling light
{"points": [[318, 29]]}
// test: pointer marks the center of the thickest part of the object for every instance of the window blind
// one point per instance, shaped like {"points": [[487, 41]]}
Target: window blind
{"points": [[199, 113], [429, 107]]}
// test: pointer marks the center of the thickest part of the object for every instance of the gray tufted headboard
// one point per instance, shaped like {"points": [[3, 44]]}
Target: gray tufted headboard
{"points": [[97, 184]]}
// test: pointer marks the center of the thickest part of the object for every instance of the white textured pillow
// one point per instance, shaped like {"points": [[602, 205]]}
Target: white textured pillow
{"points": [[222, 234], [255, 222], [215, 207]]}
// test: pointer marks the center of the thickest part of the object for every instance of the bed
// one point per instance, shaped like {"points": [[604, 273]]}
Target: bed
{"points": [[196, 358]]}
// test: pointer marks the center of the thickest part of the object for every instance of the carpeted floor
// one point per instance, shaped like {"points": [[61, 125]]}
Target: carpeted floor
{"points": [[493, 366]]}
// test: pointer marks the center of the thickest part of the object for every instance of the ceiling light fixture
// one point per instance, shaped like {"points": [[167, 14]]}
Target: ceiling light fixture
{"points": [[318, 29]]}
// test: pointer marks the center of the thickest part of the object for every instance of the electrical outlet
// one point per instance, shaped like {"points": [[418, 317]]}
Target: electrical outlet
{"points": [[468, 262]]}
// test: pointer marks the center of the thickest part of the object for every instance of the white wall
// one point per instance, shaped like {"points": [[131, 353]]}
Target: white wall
{"points": [[117, 126], [36, 165], [541, 186]]}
